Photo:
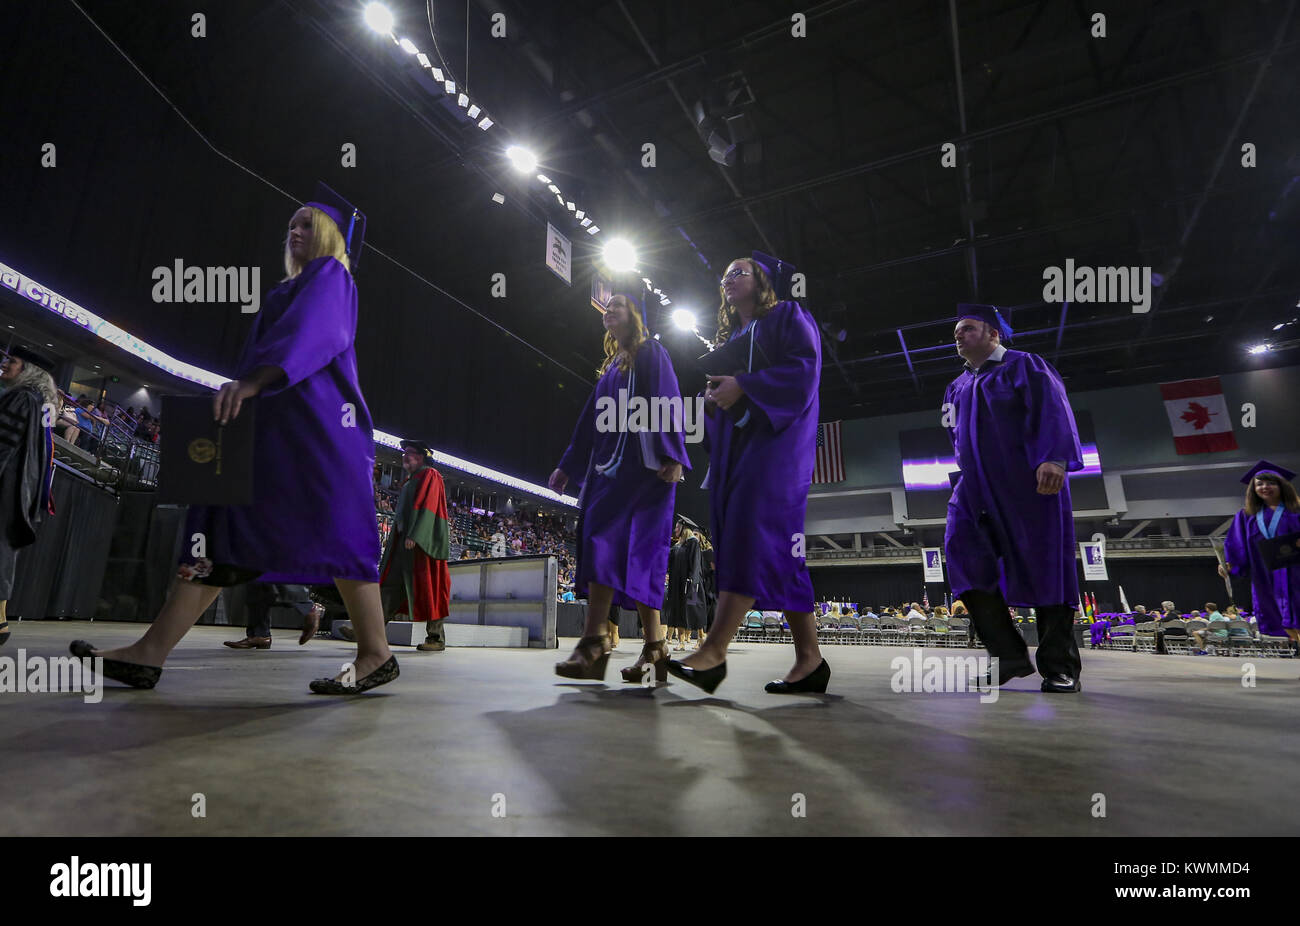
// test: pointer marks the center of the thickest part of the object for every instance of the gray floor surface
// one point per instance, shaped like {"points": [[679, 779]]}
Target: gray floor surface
{"points": [[491, 742]]}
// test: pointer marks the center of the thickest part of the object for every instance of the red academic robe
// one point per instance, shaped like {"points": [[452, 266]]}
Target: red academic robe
{"points": [[425, 576]]}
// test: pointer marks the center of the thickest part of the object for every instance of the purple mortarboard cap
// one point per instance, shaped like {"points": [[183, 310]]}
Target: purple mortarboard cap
{"points": [[32, 358], [642, 297], [985, 313], [780, 272], [350, 220], [1263, 467]]}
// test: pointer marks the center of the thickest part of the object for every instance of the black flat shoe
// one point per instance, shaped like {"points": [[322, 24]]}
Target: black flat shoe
{"points": [[128, 673], [707, 679], [381, 676], [815, 682], [1008, 669], [4, 634], [1061, 684]]}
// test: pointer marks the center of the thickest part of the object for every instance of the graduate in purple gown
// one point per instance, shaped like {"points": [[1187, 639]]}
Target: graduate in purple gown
{"points": [[312, 518], [760, 470], [1272, 510], [629, 482], [1009, 538]]}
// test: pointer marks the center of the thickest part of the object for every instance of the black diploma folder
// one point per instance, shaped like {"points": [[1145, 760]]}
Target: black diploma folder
{"points": [[1280, 552], [203, 462], [732, 359]]}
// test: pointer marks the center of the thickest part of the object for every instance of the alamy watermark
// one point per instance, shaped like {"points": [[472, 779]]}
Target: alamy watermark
{"points": [[662, 414], [1099, 284], [948, 674], [52, 675], [179, 283]]}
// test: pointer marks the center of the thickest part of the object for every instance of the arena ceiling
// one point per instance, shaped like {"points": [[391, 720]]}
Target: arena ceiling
{"points": [[1122, 151]]}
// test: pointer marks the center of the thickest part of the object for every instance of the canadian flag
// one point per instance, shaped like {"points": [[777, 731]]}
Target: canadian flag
{"points": [[1199, 416]]}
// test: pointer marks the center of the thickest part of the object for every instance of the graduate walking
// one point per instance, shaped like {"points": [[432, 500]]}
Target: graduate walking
{"points": [[312, 519], [629, 488], [762, 433], [1272, 511], [1009, 538]]}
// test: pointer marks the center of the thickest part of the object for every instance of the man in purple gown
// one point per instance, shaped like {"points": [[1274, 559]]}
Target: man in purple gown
{"points": [[1010, 530], [1271, 511]]}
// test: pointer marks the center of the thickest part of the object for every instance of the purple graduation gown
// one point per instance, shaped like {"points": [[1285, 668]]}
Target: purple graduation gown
{"points": [[1276, 593], [313, 515], [626, 521], [1009, 419], [759, 475]]}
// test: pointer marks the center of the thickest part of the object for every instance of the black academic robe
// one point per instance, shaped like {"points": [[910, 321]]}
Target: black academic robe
{"points": [[25, 450], [686, 602]]}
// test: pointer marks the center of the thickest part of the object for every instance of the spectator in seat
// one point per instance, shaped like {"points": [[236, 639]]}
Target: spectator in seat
{"points": [[1218, 634]]}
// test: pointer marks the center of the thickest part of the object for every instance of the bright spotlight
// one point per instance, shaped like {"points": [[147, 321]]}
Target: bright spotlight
{"points": [[378, 18], [684, 319], [523, 159], [1259, 349], [409, 47], [619, 255]]}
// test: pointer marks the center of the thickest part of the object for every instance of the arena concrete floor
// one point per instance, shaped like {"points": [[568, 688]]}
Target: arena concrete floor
{"points": [[491, 742]]}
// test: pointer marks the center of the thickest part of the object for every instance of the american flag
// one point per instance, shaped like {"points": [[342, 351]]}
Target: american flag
{"points": [[830, 454], [925, 597]]}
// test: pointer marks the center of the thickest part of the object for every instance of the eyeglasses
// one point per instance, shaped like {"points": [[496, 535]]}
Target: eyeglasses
{"points": [[735, 274]]}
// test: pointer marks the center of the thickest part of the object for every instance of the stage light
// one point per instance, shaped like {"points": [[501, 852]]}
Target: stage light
{"points": [[437, 75], [542, 178], [378, 18], [569, 206], [619, 254], [473, 111], [586, 222], [559, 199], [554, 189], [593, 229], [424, 60], [462, 101], [1259, 349], [498, 198], [409, 47], [523, 159], [485, 123], [579, 214], [684, 319], [449, 86]]}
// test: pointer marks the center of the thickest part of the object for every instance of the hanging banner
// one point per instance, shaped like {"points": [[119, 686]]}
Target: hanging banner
{"points": [[1094, 562], [558, 253], [933, 564], [602, 290]]}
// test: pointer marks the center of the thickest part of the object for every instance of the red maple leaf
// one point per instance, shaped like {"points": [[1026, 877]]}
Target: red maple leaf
{"points": [[1197, 415]]}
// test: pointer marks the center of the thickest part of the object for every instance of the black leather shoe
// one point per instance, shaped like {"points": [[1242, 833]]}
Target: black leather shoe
{"points": [[381, 676], [128, 673], [1009, 669], [815, 682], [1061, 683], [708, 679]]}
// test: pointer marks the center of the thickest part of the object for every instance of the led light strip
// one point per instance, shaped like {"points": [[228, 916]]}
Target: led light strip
{"points": [[83, 318]]}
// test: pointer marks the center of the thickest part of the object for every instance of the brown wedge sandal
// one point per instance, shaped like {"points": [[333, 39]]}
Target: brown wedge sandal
{"points": [[587, 661], [654, 654]]}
